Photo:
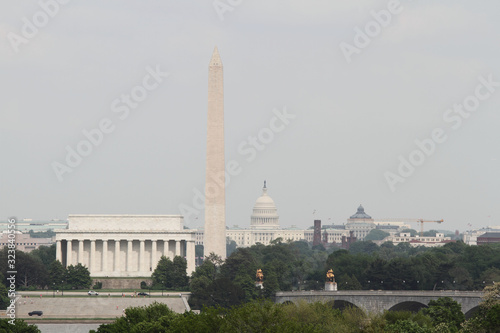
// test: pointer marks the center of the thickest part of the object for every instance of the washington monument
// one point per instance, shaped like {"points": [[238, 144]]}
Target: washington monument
{"points": [[215, 190]]}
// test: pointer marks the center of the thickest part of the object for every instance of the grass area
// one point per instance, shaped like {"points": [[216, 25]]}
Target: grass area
{"points": [[110, 319], [121, 278], [111, 296], [108, 290]]}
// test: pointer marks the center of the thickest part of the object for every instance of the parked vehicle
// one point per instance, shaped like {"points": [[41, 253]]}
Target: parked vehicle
{"points": [[35, 313], [92, 292]]}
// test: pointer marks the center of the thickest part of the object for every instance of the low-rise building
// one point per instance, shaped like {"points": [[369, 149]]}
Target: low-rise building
{"points": [[488, 238], [470, 236], [24, 242], [428, 241]]}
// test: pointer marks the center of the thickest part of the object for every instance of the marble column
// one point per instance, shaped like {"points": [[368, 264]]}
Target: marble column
{"points": [[129, 256], [165, 248], [190, 254], [153, 255], [80, 252], [69, 250], [92, 265], [104, 256], [117, 255], [142, 257], [58, 251], [177, 248]]}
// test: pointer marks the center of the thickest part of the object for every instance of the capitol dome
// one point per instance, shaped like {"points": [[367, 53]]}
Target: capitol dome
{"points": [[265, 214]]}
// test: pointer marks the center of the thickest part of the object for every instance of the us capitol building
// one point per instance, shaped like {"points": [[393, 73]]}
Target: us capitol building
{"points": [[265, 227]]}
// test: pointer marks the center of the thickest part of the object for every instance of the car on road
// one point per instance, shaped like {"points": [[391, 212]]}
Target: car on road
{"points": [[92, 292], [35, 313], [142, 294]]}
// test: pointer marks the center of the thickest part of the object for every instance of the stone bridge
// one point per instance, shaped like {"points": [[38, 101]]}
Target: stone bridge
{"points": [[377, 301]]}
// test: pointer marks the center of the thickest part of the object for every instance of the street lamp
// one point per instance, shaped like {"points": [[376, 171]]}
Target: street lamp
{"points": [[162, 288], [62, 289], [53, 289]]}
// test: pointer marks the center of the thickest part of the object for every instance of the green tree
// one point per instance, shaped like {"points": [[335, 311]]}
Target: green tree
{"points": [[490, 275], [376, 234], [162, 275], [19, 326], [57, 273], [155, 317], [179, 274], [271, 285], [487, 318], [43, 234], [230, 246], [367, 247], [46, 254], [78, 277], [412, 232], [30, 270], [4, 294], [445, 310], [346, 282], [406, 326], [171, 274]]}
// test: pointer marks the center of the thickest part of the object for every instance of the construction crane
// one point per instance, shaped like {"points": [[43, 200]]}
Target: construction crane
{"points": [[421, 221]]}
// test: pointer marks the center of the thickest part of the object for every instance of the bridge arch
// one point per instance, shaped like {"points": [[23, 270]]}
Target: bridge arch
{"points": [[471, 312], [342, 305], [411, 306]]}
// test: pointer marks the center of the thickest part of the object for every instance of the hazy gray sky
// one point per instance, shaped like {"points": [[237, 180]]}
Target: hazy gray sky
{"points": [[360, 101]]}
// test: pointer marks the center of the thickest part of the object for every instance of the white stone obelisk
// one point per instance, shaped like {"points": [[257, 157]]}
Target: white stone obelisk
{"points": [[215, 190]]}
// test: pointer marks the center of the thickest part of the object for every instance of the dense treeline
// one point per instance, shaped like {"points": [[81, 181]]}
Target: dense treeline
{"points": [[39, 269], [230, 282], [296, 265], [441, 316], [454, 266]]}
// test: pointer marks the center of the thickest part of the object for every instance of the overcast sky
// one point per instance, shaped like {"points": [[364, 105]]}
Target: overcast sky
{"points": [[359, 102]]}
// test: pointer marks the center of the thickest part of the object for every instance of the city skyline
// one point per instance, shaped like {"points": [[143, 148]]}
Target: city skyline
{"points": [[315, 105]]}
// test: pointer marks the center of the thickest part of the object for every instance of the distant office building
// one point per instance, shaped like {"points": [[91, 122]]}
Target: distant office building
{"points": [[25, 225], [24, 242], [391, 224], [488, 238], [470, 237], [329, 234], [428, 241]]}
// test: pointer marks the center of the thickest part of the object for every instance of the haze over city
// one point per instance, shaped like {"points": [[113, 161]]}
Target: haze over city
{"points": [[357, 102]]}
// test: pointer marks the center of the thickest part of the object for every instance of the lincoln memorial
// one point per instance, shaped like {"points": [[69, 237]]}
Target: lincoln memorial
{"points": [[124, 245]]}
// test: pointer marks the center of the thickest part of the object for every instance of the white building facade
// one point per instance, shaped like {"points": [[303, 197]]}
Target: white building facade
{"points": [[428, 241], [470, 236], [264, 225], [360, 223], [124, 245]]}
